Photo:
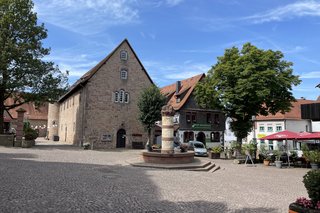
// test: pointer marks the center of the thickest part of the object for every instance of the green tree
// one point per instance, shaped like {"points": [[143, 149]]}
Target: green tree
{"points": [[23, 75], [246, 83], [150, 103]]}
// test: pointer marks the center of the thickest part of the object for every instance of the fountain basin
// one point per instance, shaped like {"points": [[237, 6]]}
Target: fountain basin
{"points": [[165, 158]]}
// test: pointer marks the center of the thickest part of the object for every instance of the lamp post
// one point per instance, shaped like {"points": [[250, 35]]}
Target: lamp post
{"points": [[254, 139]]}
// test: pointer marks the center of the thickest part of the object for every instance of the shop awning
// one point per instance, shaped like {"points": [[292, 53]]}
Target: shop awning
{"points": [[284, 135], [309, 136]]}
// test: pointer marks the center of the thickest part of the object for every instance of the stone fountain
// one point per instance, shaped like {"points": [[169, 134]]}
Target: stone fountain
{"points": [[167, 154]]}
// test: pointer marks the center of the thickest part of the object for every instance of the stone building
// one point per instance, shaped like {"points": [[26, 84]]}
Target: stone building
{"points": [[101, 107]]}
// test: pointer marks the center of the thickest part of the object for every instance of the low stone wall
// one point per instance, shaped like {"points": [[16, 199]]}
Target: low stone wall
{"points": [[162, 158], [6, 140]]}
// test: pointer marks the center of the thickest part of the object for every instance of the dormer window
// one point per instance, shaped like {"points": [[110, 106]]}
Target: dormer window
{"points": [[123, 74], [124, 55]]}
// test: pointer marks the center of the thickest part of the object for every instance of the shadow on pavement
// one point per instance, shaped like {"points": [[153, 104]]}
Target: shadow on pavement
{"points": [[33, 186]]}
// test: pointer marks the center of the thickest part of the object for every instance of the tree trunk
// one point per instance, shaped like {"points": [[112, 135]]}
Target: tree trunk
{"points": [[1, 112], [149, 141]]}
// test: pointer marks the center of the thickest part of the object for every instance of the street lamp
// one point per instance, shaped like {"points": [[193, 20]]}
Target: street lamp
{"points": [[254, 139]]}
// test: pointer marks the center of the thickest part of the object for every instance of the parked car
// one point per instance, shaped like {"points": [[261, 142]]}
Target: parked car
{"points": [[198, 148]]}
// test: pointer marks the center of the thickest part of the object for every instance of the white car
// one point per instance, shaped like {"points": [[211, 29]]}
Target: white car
{"points": [[198, 148]]}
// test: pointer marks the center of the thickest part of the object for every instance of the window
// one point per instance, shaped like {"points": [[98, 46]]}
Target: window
{"points": [[270, 129], [188, 136], [126, 97], [194, 117], [216, 119], [123, 74], [121, 96], [278, 128], [215, 137], [261, 128], [209, 118], [188, 117], [116, 97], [123, 55]]}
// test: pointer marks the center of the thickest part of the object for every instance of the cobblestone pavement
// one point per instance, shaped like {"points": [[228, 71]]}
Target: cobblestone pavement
{"points": [[59, 178]]}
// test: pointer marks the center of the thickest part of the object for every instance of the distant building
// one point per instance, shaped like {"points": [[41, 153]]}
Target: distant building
{"points": [[37, 116], [191, 121], [101, 107], [312, 111], [270, 124]]}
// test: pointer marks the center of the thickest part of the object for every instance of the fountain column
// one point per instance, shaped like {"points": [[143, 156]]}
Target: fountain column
{"points": [[167, 113]]}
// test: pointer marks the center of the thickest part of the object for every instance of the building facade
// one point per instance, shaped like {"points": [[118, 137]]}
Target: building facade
{"points": [[292, 121], [101, 107], [191, 121]]}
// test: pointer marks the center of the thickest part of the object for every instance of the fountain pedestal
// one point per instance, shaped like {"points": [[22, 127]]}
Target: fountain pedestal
{"points": [[167, 155]]}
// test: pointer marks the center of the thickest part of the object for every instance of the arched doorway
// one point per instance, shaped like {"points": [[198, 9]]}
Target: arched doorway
{"points": [[201, 137], [121, 138]]}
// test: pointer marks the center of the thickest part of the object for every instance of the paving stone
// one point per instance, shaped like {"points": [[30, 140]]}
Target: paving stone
{"points": [[59, 178]]}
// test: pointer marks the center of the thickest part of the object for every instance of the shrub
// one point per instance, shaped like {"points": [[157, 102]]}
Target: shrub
{"points": [[312, 183], [30, 134]]}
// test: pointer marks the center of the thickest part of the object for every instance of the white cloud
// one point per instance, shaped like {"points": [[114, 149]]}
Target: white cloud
{"points": [[172, 3], [87, 16], [166, 74], [297, 9], [311, 75]]}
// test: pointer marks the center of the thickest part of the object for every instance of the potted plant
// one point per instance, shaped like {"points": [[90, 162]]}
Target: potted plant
{"points": [[215, 152], [313, 156], [278, 161], [312, 183], [264, 153], [29, 138]]}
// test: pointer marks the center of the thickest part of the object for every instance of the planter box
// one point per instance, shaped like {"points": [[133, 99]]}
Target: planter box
{"points": [[6, 140], [214, 155], [294, 208], [27, 143]]}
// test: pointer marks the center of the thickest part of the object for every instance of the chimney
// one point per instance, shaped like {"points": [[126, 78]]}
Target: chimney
{"points": [[178, 87], [303, 98]]}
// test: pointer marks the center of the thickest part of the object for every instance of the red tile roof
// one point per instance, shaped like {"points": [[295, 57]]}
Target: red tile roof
{"points": [[294, 114], [32, 112], [187, 87]]}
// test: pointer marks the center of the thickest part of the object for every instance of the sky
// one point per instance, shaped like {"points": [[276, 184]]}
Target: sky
{"points": [[177, 39]]}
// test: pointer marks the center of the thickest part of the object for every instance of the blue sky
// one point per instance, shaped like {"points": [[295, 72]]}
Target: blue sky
{"points": [[177, 39]]}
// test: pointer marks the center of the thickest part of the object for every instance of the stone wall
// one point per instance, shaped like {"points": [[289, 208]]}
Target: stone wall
{"points": [[6, 140], [104, 117], [68, 118]]}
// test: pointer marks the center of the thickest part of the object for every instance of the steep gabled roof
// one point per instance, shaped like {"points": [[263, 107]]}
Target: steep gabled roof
{"points": [[187, 87], [293, 114], [86, 77]]}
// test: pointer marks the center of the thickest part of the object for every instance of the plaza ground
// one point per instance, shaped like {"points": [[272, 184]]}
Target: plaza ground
{"points": [[52, 177]]}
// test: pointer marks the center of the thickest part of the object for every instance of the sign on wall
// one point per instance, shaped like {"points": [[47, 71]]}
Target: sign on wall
{"points": [[106, 138]]}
